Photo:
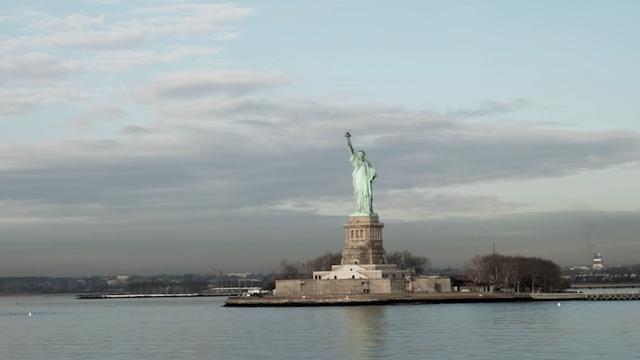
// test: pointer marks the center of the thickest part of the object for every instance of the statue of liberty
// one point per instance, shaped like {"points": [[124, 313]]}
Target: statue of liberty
{"points": [[363, 175]]}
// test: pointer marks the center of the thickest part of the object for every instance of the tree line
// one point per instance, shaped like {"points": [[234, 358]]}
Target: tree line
{"points": [[515, 273], [304, 269]]}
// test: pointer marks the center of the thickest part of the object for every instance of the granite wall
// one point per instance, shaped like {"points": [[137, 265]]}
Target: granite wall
{"points": [[310, 287]]}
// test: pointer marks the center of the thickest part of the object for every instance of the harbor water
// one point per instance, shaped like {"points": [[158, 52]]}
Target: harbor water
{"points": [[62, 327]]}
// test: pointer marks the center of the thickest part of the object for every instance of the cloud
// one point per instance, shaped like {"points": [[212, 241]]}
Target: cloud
{"points": [[421, 204], [124, 30], [190, 13], [492, 108], [212, 146], [33, 66], [43, 21], [95, 39], [27, 213], [428, 148], [405, 205], [125, 60], [49, 58], [97, 114], [23, 99], [134, 130], [103, 2], [200, 83], [290, 155]]}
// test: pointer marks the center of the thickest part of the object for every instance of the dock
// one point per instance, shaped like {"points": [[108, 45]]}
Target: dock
{"points": [[420, 298], [144, 296], [381, 299], [217, 291]]}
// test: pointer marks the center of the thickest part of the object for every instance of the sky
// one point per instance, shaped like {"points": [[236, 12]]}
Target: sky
{"points": [[184, 136]]}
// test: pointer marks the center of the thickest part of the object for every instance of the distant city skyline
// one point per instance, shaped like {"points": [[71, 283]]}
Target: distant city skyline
{"points": [[163, 136]]}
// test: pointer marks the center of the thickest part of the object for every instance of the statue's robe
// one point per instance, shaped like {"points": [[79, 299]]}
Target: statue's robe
{"points": [[363, 175]]}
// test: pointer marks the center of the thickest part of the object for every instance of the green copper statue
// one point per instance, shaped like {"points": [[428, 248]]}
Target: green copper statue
{"points": [[363, 175]]}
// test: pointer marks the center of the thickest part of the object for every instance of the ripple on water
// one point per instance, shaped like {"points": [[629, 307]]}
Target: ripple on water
{"points": [[65, 328]]}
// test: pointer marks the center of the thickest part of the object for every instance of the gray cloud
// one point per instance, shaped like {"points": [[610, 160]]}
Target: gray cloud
{"points": [[33, 66], [283, 152], [134, 130], [201, 83], [219, 166], [492, 108], [96, 115], [406, 205], [230, 242], [23, 99], [558, 235], [242, 160]]}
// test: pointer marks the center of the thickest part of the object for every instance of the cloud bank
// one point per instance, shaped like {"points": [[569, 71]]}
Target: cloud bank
{"points": [[153, 127]]}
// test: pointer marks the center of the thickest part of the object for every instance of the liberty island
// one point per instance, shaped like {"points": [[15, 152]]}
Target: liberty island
{"points": [[365, 277], [363, 270]]}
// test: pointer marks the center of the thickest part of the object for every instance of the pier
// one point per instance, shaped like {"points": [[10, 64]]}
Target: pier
{"points": [[423, 298], [612, 296], [219, 291]]}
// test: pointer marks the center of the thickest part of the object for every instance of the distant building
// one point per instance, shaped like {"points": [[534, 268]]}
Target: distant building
{"points": [[597, 262], [579, 268], [239, 275], [118, 280]]}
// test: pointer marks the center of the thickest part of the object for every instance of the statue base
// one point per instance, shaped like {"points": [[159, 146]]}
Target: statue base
{"points": [[363, 272], [363, 240]]}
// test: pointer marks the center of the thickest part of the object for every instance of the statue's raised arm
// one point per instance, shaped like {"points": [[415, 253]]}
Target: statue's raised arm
{"points": [[347, 136]]}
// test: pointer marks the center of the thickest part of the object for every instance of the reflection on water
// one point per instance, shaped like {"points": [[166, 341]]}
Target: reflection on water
{"points": [[366, 331]]}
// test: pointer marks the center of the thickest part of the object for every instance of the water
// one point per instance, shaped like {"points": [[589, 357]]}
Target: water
{"points": [[200, 328]]}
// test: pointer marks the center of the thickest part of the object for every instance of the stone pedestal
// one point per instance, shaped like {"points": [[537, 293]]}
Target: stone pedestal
{"points": [[363, 241]]}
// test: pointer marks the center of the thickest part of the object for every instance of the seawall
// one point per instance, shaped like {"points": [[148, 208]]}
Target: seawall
{"points": [[420, 298]]}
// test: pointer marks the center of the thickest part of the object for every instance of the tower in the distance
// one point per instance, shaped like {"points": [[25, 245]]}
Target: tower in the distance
{"points": [[597, 262]]}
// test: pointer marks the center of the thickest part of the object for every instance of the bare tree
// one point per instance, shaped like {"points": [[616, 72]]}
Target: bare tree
{"points": [[303, 270], [291, 270], [514, 273], [323, 262], [406, 260]]}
